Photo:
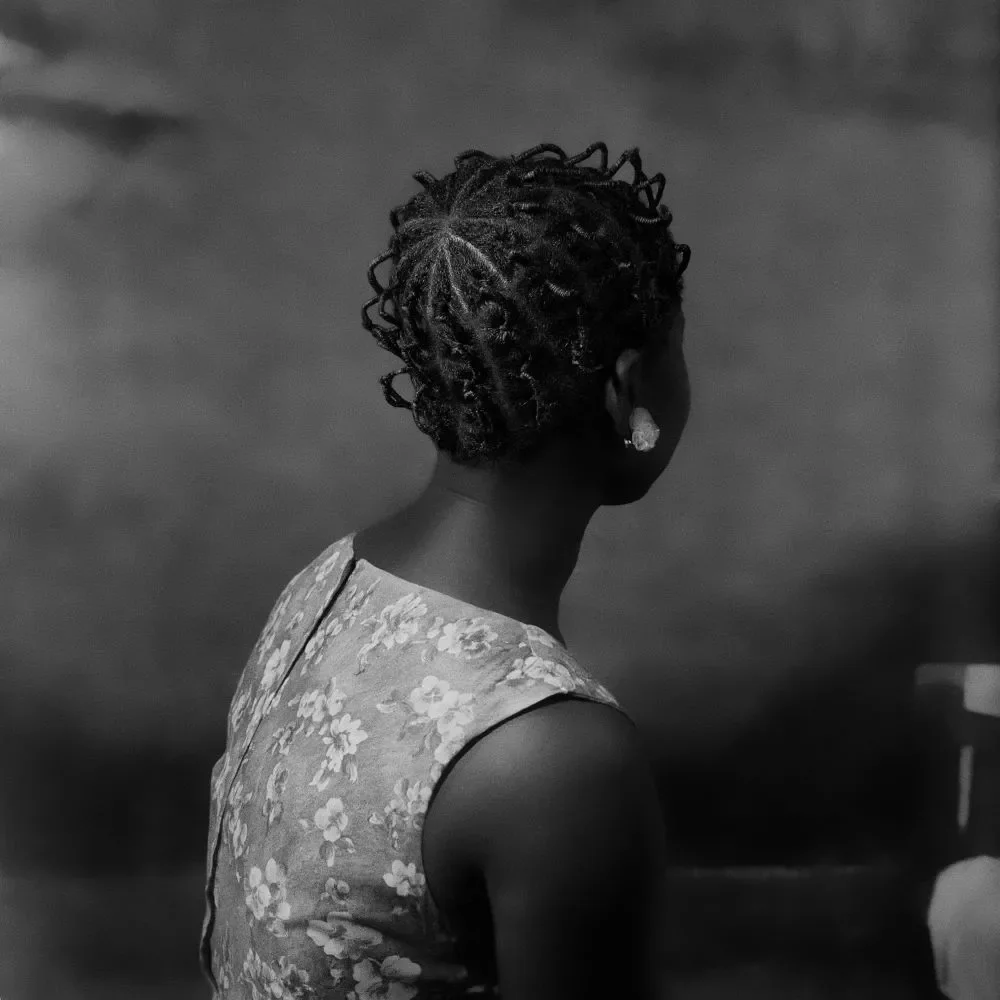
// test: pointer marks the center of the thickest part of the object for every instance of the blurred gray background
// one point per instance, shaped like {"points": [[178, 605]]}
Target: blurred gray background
{"points": [[190, 194]]}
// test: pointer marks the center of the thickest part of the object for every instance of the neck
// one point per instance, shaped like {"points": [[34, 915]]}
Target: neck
{"points": [[513, 532]]}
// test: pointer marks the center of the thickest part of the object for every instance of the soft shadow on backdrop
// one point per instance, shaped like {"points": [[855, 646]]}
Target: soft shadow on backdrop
{"points": [[191, 411]]}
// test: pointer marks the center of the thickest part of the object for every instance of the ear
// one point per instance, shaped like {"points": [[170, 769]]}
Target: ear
{"points": [[621, 389]]}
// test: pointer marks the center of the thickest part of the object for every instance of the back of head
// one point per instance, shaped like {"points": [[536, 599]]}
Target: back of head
{"points": [[515, 284]]}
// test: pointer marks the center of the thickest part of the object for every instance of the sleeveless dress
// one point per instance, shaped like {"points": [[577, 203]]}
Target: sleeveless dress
{"points": [[361, 691]]}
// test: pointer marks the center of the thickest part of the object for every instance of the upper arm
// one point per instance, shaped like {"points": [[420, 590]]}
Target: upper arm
{"points": [[570, 842]]}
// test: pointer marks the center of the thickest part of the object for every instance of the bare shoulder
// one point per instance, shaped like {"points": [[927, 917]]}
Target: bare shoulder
{"points": [[562, 820], [556, 747], [553, 767]]}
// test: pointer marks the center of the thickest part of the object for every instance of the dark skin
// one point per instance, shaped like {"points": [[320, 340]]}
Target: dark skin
{"points": [[508, 539], [529, 863]]}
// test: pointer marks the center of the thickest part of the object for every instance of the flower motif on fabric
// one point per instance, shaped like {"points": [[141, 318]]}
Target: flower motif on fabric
{"points": [[318, 708], [327, 566], [272, 807], [536, 635], [267, 698], [312, 649], [322, 571], [451, 732], [236, 829], [435, 699], [271, 629], [467, 638], [439, 710], [275, 665], [342, 939], [333, 821], [357, 599], [336, 890], [267, 896], [405, 811], [239, 707], [405, 879], [390, 980], [342, 740], [395, 626], [224, 966], [529, 670], [219, 784], [281, 739], [286, 982]]}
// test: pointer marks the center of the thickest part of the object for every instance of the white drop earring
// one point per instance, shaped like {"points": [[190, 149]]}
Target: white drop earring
{"points": [[644, 430]]}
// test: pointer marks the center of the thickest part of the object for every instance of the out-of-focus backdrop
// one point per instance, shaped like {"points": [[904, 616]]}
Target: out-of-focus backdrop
{"points": [[190, 194]]}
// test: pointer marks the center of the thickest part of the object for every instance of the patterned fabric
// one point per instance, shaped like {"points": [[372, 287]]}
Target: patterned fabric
{"points": [[359, 692]]}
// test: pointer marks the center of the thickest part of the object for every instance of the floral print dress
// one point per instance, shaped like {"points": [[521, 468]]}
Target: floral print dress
{"points": [[359, 692]]}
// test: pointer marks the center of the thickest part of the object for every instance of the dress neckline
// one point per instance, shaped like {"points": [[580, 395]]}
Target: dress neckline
{"points": [[359, 560]]}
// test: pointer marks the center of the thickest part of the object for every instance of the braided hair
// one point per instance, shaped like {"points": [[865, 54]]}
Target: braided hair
{"points": [[515, 284]]}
